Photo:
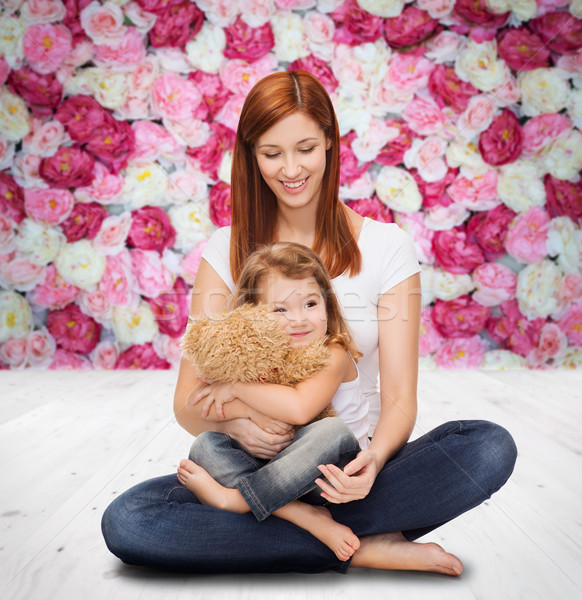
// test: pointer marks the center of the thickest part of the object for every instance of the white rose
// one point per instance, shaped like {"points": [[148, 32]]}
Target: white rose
{"points": [[571, 359], [479, 64], [172, 59], [575, 8], [465, 154], [426, 284], [441, 218], [565, 242], [502, 360], [363, 187], [256, 13], [351, 110], [145, 183], [444, 47], [205, 50], [448, 286], [14, 116], [142, 20], [38, 243], [109, 88], [427, 155], [225, 167], [219, 12], [40, 11], [543, 90], [575, 107], [563, 159], [188, 184], [319, 28], [80, 264], [192, 224], [15, 316], [367, 145], [519, 186], [6, 153], [7, 235], [437, 10], [382, 8], [290, 40], [427, 363], [169, 349], [11, 37], [398, 190], [537, 285], [134, 325]]}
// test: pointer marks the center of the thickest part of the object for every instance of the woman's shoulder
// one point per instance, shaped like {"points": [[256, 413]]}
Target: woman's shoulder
{"points": [[387, 233]]}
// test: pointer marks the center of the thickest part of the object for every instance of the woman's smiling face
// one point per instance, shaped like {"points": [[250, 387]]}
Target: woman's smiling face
{"points": [[291, 159]]}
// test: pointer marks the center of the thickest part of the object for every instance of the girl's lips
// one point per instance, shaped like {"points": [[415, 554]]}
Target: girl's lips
{"points": [[294, 190]]}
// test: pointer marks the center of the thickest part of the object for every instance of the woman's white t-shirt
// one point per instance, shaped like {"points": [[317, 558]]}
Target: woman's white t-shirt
{"points": [[388, 258]]}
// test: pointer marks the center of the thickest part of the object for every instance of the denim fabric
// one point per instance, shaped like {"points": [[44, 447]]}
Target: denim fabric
{"points": [[269, 485], [433, 479]]}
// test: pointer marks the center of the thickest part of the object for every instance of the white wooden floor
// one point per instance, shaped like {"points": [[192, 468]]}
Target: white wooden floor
{"points": [[71, 441]]}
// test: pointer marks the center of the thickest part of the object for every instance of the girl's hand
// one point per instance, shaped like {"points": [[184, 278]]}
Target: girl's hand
{"points": [[255, 440], [268, 424], [212, 393], [353, 483]]}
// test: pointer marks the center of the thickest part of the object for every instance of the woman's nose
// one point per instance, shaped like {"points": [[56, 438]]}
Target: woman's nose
{"points": [[291, 169]]}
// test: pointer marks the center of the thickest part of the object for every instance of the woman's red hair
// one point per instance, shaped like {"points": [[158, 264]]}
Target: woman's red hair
{"points": [[254, 205]]}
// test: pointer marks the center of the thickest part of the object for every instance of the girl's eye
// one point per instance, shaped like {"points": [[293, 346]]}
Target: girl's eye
{"points": [[278, 310], [311, 304]]}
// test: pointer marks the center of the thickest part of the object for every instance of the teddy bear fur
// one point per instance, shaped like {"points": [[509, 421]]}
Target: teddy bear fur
{"points": [[248, 345]]}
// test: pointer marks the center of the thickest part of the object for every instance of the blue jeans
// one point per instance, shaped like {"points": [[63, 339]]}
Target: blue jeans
{"points": [[442, 474], [268, 485]]}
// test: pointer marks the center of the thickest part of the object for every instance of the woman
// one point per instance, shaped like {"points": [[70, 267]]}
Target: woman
{"points": [[285, 181]]}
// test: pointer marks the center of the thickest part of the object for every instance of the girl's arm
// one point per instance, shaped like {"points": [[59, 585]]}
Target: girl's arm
{"points": [[398, 330], [297, 405]]}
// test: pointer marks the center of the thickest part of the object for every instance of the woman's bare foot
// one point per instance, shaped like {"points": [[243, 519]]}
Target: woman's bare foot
{"points": [[318, 521], [208, 491], [393, 551]]}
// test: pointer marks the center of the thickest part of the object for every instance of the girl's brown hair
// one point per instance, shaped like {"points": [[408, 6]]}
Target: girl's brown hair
{"points": [[294, 261], [254, 205]]}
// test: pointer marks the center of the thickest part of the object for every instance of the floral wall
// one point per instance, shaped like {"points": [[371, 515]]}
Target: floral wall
{"points": [[460, 121]]}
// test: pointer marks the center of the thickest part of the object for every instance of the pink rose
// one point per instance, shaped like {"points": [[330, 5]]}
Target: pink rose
{"points": [[393, 153], [495, 284], [171, 309], [11, 198], [319, 27], [489, 230], [130, 51], [513, 330], [430, 339], [434, 193], [42, 92], [152, 277], [527, 236], [104, 189], [355, 26], [570, 290], [229, 114], [220, 208], [4, 70], [521, 49], [174, 97], [209, 156], [158, 7], [502, 141], [73, 330], [214, 94], [177, 25], [248, 43], [373, 208], [110, 238], [411, 27], [45, 138], [445, 216], [479, 193], [46, 46], [118, 281], [54, 292], [424, 116], [477, 116], [318, 67], [68, 361], [47, 205], [67, 167], [42, 11], [40, 348], [422, 236], [455, 252], [444, 46], [447, 89], [475, 13], [153, 141], [571, 324], [72, 19], [151, 229], [103, 23], [563, 198], [169, 349], [551, 344], [105, 355], [82, 116], [559, 31], [19, 273], [141, 356], [26, 169], [13, 352], [240, 76], [83, 222], [408, 73], [7, 235], [507, 94], [463, 353], [96, 305], [191, 262], [112, 144], [541, 131], [351, 168], [428, 157]]}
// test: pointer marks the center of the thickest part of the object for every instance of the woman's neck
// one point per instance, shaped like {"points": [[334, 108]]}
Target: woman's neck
{"points": [[296, 225]]}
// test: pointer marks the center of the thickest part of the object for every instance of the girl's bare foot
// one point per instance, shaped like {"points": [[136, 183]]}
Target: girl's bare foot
{"points": [[393, 551], [208, 491], [318, 521]]}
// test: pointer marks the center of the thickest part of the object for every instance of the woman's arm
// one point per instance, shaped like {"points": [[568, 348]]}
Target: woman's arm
{"points": [[398, 331]]}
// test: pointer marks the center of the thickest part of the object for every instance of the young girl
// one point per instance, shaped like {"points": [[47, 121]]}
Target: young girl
{"points": [[293, 282]]}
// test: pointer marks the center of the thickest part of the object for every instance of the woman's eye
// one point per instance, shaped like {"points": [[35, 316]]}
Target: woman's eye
{"points": [[307, 150], [271, 155]]}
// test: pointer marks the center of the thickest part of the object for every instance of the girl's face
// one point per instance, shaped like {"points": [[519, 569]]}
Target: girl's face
{"points": [[291, 159], [298, 306]]}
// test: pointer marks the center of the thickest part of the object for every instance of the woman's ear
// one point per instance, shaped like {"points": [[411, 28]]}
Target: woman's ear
{"points": [[328, 144]]}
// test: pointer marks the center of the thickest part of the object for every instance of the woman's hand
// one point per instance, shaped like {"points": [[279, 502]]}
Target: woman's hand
{"points": [[212, 393], [353, 483], [269, 424], [255, 440]]}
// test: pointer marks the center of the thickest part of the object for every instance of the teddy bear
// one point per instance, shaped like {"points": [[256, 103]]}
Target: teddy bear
{"points": [[247, 344]]}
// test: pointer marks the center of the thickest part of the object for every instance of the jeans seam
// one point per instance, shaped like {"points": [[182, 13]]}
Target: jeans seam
{"points": [[257, 508]]}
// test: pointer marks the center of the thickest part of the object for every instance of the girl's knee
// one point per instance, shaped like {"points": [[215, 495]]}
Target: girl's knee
{"points": [[205, 445]]}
